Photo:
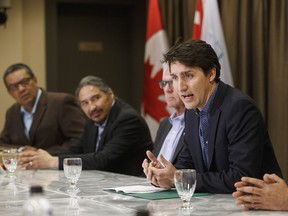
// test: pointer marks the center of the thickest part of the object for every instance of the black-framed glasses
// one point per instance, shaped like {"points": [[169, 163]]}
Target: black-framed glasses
{"points": [[163, 83], [24, 82]]}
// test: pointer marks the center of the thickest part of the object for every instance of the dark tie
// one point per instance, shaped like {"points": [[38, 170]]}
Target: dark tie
{"points": [[204, 136], [97, 140]]}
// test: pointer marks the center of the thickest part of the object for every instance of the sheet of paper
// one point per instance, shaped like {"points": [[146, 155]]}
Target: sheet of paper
{"points": [[136, 189]]}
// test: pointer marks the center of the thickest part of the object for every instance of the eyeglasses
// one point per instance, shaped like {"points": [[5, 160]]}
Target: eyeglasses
{"points": [[163, 83], [24, 82]]}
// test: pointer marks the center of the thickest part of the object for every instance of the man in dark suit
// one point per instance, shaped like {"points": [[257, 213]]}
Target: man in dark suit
{"points": [[38, 119], [225, 134], [169, 139], [115, 136]]}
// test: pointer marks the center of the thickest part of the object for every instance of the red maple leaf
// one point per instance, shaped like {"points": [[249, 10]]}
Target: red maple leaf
{"points": [[151, 103]]}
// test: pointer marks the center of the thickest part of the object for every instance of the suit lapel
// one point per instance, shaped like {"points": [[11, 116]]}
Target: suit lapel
{"points": [[39, 113], [112, 115], [214, 118], [19, 128], [198, 150], [91, 140], [165, 130], [192, 138], [179, 146], [213, 122]]}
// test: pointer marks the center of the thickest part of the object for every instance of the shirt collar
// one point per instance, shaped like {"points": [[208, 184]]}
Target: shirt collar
{"points": [[103, 124], [22, 109], [173, 117], [208, 105], [105, 121]]}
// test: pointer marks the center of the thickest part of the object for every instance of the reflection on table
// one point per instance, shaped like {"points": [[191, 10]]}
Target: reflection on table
{"points": [[92, 200]]}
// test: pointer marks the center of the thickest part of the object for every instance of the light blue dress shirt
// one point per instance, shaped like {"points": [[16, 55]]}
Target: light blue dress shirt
{"points": [[28, 117], [173, 137]]}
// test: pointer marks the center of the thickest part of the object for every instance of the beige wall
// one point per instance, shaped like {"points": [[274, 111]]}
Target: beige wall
{"points": [[22, 40]]}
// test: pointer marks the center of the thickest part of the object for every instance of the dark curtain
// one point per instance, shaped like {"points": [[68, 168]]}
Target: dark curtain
{"points": [[256, 34]]}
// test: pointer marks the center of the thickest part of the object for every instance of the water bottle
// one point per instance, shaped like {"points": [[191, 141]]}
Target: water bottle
{"points": [[142, 212], [37, 204]]}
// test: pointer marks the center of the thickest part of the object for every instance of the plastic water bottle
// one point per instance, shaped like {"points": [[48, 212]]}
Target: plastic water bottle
{"points": [[37, 204], [142, 212]]}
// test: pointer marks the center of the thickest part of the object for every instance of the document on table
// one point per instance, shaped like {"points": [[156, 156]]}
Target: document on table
{"points": [[136, 189], [149, 192]]}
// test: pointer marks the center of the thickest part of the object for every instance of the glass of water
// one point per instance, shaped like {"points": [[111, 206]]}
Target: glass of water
{"points": [[185, 183], [72, 170], [10, 160]]}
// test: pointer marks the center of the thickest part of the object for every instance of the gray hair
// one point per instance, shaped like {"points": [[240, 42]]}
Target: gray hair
{"points": [[14, 67], [94, 81]]}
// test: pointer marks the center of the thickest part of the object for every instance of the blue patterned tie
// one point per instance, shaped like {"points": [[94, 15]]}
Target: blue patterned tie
{"points": [[203, 134]]}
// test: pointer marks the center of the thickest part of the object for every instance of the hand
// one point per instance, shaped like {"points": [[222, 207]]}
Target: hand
{"points": [[239, 184], [29, 148], [26, 148], [39, 159], [270, 193], [239, 193], [164, 176], [162, 173], [154, 163], [145, 165]]}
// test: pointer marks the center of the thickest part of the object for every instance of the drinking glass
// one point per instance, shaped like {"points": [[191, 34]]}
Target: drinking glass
{"points": [[72, 208], [10, 160], [185, 183], [72, 170]]}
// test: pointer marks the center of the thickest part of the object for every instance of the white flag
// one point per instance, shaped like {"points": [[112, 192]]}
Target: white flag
{"points": [[207, 27]]}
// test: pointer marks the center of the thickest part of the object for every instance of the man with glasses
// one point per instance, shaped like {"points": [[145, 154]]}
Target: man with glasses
{"points": [[169, 139], [38, 119]]}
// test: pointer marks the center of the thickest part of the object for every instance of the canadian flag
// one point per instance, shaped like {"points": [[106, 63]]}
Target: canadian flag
{"points": [[154, 106], [207, 27]]}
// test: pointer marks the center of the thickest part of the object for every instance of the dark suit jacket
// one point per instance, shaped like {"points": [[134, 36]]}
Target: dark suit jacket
{"points": [[58, 122], [122, 147], [239, 144], [163, 130]]}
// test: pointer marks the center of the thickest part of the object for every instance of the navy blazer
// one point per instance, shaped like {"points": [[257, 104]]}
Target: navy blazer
{"points": [[163, 130], [123, 145], [239, 144]]}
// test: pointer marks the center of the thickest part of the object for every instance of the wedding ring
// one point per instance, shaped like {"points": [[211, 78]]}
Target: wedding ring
{"points": [[31, 163]]}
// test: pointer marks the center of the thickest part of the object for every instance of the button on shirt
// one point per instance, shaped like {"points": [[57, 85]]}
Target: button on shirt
{"points": [[27, 116], [173, 137]]}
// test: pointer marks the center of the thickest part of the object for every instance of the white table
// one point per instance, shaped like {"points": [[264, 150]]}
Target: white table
{"points": [[92, 200]]}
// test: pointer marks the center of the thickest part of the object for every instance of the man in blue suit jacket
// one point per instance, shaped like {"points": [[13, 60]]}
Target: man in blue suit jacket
{"points": [[115, 136], [225, 134]]}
